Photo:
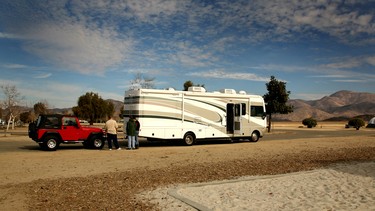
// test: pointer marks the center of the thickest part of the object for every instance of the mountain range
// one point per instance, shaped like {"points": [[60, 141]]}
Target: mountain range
{"points": [[341, 105]]}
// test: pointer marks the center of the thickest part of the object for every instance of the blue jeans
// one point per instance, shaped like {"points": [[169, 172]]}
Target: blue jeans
{"points": [[131, 142]]}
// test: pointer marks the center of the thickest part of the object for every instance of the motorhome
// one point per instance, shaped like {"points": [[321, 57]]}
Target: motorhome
{"points": [[196, 114]]}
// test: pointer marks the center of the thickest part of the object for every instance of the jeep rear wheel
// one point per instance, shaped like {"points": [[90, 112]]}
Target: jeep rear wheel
{"points": [[97, 142], [50, 143]]}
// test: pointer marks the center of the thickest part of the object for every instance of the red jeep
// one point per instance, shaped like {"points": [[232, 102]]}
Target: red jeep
{"points": [[49, 131]]}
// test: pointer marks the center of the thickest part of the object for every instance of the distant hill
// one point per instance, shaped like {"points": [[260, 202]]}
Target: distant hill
{"points": [[340, 105]]}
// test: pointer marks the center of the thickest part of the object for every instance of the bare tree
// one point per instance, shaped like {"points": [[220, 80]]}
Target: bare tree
{"points": [[11, 103], [141, 81]]}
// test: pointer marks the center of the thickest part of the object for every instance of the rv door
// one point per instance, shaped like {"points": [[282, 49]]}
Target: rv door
{"points": [[230, 118], [234, 112], [237, 119]]}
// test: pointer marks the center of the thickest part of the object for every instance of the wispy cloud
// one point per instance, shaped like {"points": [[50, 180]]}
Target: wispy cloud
{"points": [[345, 76], [11, 36], [15, 66], [42, 76], [350, 62], [229, 75], [330, 17], [351, 81]]}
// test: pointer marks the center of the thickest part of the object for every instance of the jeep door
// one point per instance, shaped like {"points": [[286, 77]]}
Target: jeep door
{"points": [[70, 130]]}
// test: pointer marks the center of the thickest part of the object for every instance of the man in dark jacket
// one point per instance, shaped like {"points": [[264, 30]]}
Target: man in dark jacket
{"points": [[131, 132]]}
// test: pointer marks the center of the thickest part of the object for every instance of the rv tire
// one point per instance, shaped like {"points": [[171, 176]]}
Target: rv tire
{"points": [[254, 136], [189, 139]]}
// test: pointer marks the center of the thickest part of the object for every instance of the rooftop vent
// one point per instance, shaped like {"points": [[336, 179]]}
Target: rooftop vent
{"points": [[242, 92], [228, 91], [196, 89]]}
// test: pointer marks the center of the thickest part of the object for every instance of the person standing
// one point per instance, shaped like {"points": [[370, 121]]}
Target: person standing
{"points": [[137, 127], [131, 132], [111, 127]]}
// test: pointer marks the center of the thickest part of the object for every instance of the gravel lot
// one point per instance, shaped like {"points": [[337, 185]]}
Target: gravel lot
{"points": [[74, 178]]}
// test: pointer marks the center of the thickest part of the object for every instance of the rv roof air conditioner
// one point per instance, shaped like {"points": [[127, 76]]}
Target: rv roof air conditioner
{"points": [[242, 92], [196, 89], [228, 91]]}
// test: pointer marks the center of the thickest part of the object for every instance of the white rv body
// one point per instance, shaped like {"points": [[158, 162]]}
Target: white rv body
{"points": [[196, 114]]}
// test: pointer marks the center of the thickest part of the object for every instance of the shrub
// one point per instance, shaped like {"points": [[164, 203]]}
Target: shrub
{"points": [[357, 123], [309, 122]]}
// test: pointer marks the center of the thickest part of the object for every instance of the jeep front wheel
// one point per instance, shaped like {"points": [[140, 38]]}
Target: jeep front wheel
{"points": [[97, 142], [50, 143]]}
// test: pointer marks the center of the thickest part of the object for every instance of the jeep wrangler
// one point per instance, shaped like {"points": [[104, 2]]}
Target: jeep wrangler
{"points": [[49, 131]]}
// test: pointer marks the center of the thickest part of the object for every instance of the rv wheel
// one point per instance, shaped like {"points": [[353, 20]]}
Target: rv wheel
{"points": [[254, 137], [189, 139]]}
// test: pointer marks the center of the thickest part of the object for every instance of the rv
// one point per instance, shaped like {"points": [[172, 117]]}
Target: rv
{"points": [[196, 114]]}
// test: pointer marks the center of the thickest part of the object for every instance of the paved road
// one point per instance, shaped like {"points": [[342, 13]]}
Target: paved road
{"points": [[17, 143]]}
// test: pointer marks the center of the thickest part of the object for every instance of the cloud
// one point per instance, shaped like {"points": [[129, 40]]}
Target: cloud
{"points": [[191, 56], [15, 66], [11, 36], [64, 99], [351, 81], [44, 75], [345, 76], [279, 20], [67, 40], [76, 47], [370, 60], [351, 62], [93, 37], [228, 75]]}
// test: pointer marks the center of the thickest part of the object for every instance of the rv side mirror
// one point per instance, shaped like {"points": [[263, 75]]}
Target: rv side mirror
{"points": [[264, 115]]}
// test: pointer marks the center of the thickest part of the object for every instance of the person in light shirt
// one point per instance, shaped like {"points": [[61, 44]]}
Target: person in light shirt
{"points": [[111, 127]]}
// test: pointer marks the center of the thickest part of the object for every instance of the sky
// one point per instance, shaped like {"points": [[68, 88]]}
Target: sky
{"points": [[56, 51]]}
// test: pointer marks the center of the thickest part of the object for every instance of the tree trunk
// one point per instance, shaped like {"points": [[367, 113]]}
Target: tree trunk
{"points": [[269, 123]]}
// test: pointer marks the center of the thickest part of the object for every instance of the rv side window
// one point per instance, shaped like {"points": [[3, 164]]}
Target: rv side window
{"points": [[240, 109], [237, 110], [257, 111]]}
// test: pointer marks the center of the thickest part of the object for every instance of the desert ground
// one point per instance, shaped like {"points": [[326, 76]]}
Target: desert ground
{"points": [[74, 178]]}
